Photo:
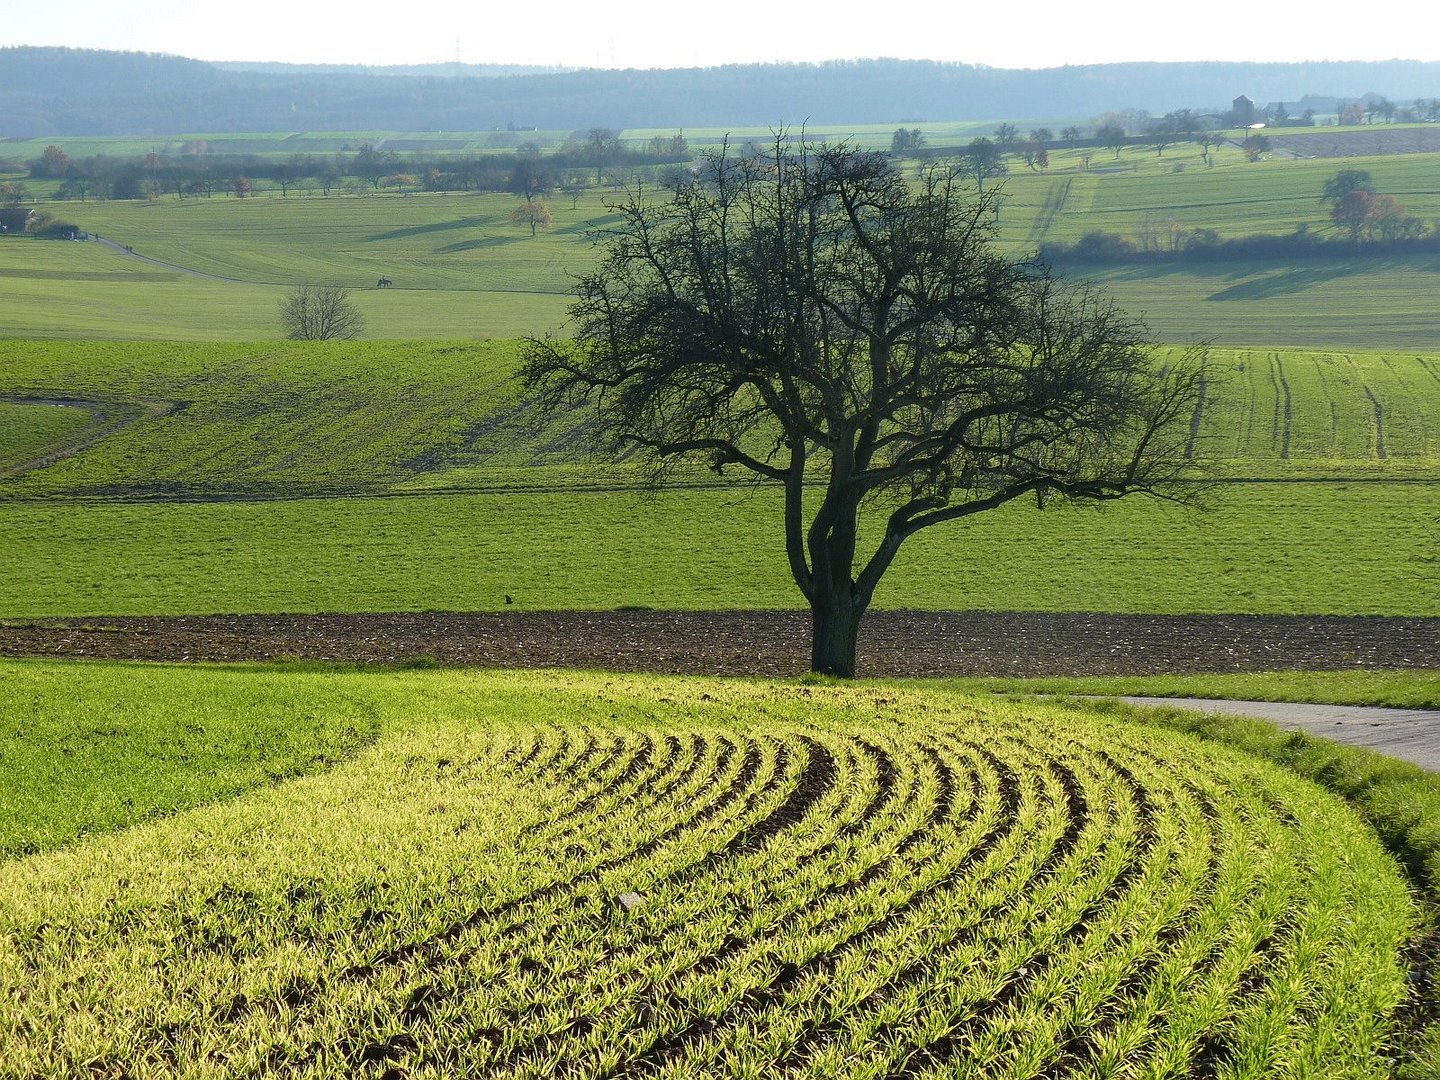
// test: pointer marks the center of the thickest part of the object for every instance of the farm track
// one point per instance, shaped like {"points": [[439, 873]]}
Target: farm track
{"points": [[107, 418], [770, 643]]}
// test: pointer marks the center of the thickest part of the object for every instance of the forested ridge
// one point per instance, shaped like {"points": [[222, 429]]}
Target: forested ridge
{"points": [[54, 91]]}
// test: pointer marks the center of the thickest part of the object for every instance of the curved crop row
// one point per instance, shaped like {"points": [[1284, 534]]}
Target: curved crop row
{"points": [[733, 880]]}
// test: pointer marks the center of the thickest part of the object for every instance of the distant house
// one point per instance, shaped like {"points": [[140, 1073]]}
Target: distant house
{"points": [[1243, 111], [15, 220]]}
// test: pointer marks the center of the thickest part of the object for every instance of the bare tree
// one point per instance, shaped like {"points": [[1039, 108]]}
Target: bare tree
{"points": [[814, 320], [981, 159], [320, 313]]}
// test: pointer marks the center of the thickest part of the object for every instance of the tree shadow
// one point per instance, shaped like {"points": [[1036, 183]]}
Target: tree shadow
{"points": [[1282, 283], [483, 242], [432, 227]]}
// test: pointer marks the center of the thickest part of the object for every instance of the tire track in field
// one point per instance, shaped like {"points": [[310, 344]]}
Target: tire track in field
{"points": [[1197, 415], [1283, 405], [1054, 203], [108, 417], [1379, 421]]}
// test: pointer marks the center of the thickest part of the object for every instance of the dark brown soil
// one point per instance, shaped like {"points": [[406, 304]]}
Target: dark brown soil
{"points": [[950, 643]]}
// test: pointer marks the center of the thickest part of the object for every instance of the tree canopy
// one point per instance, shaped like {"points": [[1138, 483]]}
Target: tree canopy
{"points": [[814, 318]]}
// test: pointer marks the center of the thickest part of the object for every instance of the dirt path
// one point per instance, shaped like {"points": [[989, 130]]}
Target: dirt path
{"points": [[121, 249], [1410, 734]]}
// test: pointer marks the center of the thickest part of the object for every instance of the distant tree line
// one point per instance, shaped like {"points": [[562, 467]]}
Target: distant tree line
{"points": [[49, 92], [594, 156]]}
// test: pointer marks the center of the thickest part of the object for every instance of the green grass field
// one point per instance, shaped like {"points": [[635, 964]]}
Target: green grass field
{"points": [[1141, 191], [293, 869], [463, 270], [464, 501], [619, 875]]}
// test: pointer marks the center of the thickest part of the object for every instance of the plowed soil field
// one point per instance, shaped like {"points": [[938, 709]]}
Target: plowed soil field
{"points": [[892, 643]]}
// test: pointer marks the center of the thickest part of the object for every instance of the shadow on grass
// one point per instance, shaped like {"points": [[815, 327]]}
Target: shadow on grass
{"points": [[432, 227], [484, 242], [1282, 283]]}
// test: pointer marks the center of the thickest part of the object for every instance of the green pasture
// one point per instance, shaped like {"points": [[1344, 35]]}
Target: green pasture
{"points": [[1354, 304], [1332, 503], [455, 243], [462, 270], [87, 749], [1140, 191], [287, 418], [27, 431], [1288, 547], [607, 873]]}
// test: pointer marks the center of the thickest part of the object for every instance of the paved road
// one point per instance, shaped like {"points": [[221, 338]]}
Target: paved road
{"points": [[1410, 734]]}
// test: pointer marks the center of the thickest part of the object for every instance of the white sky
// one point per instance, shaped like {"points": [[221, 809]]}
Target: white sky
{"points": [[674, 33]]}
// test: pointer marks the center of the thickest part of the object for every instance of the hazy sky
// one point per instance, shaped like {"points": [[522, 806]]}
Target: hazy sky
{"points": [[673, 33]]}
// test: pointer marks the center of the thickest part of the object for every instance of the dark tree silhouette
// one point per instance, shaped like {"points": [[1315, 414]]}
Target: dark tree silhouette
{"points": [[809, 316]]}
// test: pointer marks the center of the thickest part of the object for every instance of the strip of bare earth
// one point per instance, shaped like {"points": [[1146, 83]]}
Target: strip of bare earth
{"points": [[772, 643]]}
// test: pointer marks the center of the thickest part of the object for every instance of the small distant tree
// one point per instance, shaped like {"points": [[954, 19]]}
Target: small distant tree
{"points": [[77, 187], [602, 146], [1352, 212], [981, 161], [1209, 140], [242, 186], [906, 141], [1344, 182], [1353, 114], [371, 164], [575, 186], [12, 193], [284, 175], [534, 213], [1111, 136], [1071, 135], [1006, 136], [532, 176], [53, 163], [320, 313]]}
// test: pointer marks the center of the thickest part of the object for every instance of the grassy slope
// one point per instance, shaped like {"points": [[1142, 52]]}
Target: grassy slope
{"points": [[462, 270], [289, 419], [27, 431], [88, 748], [188, 928], [312, 417]]}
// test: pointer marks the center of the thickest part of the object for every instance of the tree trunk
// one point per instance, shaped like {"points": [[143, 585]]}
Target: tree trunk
{"points": [[835, 629]]}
